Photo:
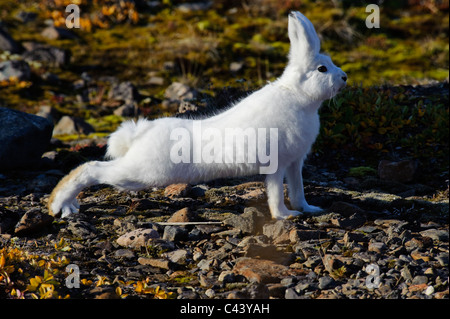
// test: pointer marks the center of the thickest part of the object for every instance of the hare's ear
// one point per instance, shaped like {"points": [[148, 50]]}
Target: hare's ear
{"points": [[304, 40]]}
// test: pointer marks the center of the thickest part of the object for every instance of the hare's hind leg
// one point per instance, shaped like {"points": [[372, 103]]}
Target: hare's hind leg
{"points": [[63, 198]]}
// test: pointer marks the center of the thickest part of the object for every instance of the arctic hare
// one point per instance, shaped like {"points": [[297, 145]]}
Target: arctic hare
{"points": [[147, 153]]}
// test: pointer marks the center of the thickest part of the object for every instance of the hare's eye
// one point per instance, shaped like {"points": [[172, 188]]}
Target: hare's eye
{"points": [[322, 68]]}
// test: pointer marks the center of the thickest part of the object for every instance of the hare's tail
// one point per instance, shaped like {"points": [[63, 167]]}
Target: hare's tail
{"points": [[121, 140]]}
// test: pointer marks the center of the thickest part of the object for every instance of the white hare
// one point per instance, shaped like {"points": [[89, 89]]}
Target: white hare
{"points": [[146, 153]]}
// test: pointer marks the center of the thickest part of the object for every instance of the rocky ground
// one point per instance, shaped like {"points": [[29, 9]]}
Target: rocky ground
{"points": [[376, 238], [379, 167]]}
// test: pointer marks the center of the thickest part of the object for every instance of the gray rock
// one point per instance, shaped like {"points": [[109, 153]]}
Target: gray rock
{"points": [[124, 91], [326, 282], [227, 276], [128, 109], [124, 253], [23, 138], [290, 293], [180, 91], [435, 234], [279, 231], [54, 33], [418, 280], [249, 222], [46, 53], [71, 125], [7, 43], [15, 69], [174, 233], [81, 228], [179, 256]]}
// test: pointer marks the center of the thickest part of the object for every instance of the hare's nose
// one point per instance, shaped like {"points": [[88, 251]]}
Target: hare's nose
{"points": [[344, 78]]}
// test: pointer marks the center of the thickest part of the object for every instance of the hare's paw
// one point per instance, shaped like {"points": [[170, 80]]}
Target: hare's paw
{"points": [[287, 213], [311, 209], [62, 204]]}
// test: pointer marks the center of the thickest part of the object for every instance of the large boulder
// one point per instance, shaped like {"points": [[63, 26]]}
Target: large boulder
{"points": [[23, 138]]}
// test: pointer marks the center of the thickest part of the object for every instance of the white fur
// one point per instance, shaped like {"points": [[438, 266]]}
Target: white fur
{"points": [[140, 151]]}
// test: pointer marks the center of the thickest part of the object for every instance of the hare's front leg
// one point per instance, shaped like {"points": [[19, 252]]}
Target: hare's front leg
{"points": [[295, 188], [275, 195]]}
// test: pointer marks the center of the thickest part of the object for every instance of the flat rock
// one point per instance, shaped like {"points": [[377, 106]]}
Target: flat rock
{"points": [[435, 234], [157, 263], [137, 238], [260, 270]]}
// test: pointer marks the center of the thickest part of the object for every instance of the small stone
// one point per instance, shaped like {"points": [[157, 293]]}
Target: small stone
{"points": [[72, 125], [137, 238], [181, 216], [429, 291], [279, 231], [124, 91], [227, 277], [157, 263], [81, 228], [249, 222], [177, 190], [435, 234], [7, 43], [180, 91], [290, 293], [124, 253], [205, 264], [54, 33], [418, 280], [326, 282], [174, 233], [18, 69], [179, 256], [377, 247], [210, 293], [350, 237], [401, 172], [32, 221]]}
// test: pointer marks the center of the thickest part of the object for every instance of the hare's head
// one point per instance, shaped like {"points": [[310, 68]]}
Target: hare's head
{"points": [[314, 74]]}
